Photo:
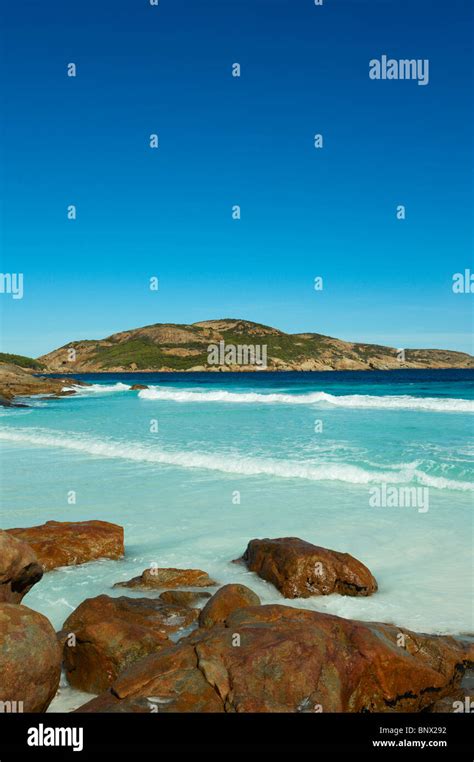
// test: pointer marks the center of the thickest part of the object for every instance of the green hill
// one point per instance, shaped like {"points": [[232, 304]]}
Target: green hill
{"points": [[21, 361], [182, 347]]}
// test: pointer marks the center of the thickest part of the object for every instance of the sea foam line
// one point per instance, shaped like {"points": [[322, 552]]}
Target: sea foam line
{"points": [[286, 469], [85, 391], [432, 404]]}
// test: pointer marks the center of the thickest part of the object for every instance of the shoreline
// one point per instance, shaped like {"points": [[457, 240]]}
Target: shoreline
{"points": [[291, 372], [242, 370], [179, 612], [17, 382]]}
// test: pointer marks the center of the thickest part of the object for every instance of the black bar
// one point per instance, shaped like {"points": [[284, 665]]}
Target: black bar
{"points": [[126, 734]]}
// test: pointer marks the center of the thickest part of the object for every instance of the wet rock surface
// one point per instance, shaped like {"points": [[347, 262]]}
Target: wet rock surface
{"points": [[283, 659], [105, 635], [67, 543], [299, 569]]}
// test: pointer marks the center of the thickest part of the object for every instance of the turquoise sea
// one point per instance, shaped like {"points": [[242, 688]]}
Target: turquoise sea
{"points": [[198, 464]]}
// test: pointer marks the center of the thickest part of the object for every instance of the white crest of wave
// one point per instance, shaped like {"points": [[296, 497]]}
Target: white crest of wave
{"points": [[286, 469], [85, 391], [432, 404]]}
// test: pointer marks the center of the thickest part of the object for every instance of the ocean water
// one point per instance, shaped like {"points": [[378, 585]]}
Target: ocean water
{"points": [[198, 464]]}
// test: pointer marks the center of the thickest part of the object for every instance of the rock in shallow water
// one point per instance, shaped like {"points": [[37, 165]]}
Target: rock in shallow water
{"points": [[66, 543], [172, 684], [183, 597], [227, 599], [299, 569], [154, 578], [19, 568], [283, 659], [30, 659], [104, 636]]}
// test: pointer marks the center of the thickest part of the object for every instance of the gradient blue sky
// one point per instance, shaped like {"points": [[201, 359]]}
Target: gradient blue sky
{"points": [[225, 141]]}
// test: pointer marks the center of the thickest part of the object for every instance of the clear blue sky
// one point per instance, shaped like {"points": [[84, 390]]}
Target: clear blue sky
{"points": [[225, 141]]}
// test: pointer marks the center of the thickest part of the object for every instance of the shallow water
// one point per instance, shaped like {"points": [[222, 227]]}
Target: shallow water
{"points": [[199, 464]]}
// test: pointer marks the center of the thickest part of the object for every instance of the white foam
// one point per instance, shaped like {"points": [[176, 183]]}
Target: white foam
{"points": [[85, 391], [406, 402], [287, 469]]}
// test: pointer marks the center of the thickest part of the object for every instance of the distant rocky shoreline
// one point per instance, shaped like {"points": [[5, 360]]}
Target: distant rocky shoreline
{"points": [[17, 381], [21, 382], [177, 649], [234, 345]]}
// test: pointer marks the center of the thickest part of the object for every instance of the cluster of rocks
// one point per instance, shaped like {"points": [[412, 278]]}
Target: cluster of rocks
{"points": [[16, 381], [30, 657], [187, 650]]}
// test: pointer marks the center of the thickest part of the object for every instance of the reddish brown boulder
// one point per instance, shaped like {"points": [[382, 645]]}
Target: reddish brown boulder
{"points": [[146, 612], [461, 700], [135, 387], [154, 578], [167, 682], [227, 599], [101, 651], [66, 543], [299, 569], [104, 636], [30, 660], [283, 659], [19, 568], [184, 597]]}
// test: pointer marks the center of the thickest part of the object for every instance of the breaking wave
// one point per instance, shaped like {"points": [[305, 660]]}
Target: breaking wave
{"points": [[86, 391], [288, 469], [432, 404]]}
